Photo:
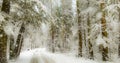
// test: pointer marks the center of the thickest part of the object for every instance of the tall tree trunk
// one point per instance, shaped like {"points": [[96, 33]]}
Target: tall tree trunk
{"points": [[17, 48], [119, 34], [3, 36], [53, 38], [3, 46], [11, 47], [6, 6], [89, 42], [104, 50], [79, 31]]}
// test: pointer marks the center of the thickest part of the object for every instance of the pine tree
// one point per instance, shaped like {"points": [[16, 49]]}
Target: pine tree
{"points": [[89, 42], [3, 36], [53, 38], [103, 49], [79, 31], [17, 48]]}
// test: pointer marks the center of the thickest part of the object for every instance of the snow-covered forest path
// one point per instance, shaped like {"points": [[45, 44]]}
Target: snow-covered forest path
{"points": [[60, 31], [40, 55]]}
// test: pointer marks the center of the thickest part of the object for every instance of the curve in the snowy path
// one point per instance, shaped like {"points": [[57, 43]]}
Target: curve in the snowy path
{"points": [[42, 56]]}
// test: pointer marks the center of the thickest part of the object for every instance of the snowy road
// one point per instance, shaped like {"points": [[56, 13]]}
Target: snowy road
{"points": [[42, 56]]}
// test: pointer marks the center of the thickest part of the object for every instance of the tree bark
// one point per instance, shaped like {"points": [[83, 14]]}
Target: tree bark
{"points": [[3, 36], [17, 48], [89, 42], [6, 6], [3, 46], [104, 50], [119, 35], [79, 31], [53, 38]]}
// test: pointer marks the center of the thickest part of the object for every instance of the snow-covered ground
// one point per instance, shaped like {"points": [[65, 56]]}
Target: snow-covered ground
{"points": [[43, 56]]}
